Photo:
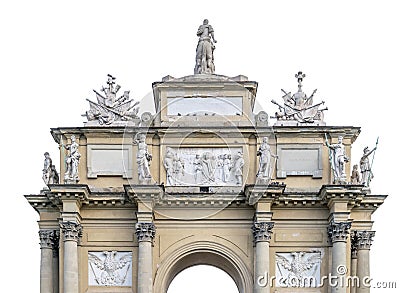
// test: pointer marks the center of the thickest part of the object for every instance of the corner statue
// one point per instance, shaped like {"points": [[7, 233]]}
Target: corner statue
{"points": [[338, 157], [205, 49], [265, 165], [50, 175], [143, 158], [366, 167], [47, 168], [72, 162]]}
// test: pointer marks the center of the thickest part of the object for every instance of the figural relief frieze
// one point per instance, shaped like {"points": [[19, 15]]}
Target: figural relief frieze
{"points": [[203, 166]]}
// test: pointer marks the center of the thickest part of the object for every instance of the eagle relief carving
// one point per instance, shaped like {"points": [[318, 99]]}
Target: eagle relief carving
{"points": [[110, 268], [298, 269]]}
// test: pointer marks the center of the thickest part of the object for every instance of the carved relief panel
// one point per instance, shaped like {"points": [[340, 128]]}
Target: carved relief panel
{"points": [[203, 166], [298, 269], [110, 268]]}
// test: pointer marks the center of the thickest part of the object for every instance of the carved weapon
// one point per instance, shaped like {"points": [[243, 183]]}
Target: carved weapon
{"points": [[288, 94], [312, 95], [97, 93], [95, 276], [372, 162], [276, 103], [126, 274], [316, 105], [108, 109]]}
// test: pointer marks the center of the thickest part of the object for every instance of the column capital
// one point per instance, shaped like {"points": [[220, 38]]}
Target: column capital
{"points": [[71, 231], [46, 239], [262, 231], [338, 231], [145, 231], [364, 239]]}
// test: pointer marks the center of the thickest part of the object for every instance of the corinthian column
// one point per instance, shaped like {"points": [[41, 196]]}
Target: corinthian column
{"points": [[46, 261], [145, 233], [262, 235], [338, 233], [364, 242], [71, 233]]}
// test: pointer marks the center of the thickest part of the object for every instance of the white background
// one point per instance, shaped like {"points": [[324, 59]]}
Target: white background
{"points": [[53, 53]]}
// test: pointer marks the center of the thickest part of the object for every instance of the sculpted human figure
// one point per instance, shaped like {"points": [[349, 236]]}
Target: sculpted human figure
{"points": [[72, 161], [365, 166], [355, 175], [338, 159], [143, 158], [178, 168], [205, 49], [46, 168], [226, 167], [265, 163], [208, 166], [198, 170], [54, 178], [219, 170], [237, 169], [169, 166]]}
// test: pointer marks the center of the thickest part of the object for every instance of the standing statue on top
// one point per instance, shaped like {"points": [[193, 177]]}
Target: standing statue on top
{"points": [[205, 49], [72, 162], [265, 165], [338, 158], [50, 175], [143, 158], [46, 168], [366, 167]]}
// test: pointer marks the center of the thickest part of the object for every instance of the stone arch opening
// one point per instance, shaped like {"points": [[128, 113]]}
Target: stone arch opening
{"points": [[203, 278], [203, 253]]}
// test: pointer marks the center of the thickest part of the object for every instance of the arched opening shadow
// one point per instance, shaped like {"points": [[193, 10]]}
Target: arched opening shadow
{"points": [[203, 278]]}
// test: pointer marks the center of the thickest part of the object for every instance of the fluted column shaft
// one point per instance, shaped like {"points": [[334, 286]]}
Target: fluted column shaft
{"points": [[338, 233], [262, 235], [71, 234], [145, 233]]}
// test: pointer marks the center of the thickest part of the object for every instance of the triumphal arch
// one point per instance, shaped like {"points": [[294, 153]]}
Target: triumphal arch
{"points": [[274, 202]]}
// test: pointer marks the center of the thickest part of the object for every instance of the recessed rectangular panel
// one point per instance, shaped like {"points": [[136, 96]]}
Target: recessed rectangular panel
{"points": [[299, 160], [204, 105], [112, 160]]}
